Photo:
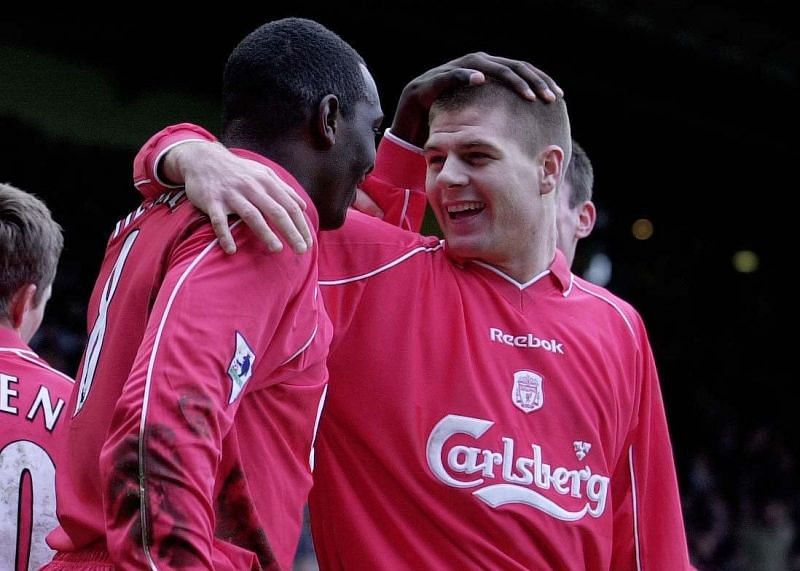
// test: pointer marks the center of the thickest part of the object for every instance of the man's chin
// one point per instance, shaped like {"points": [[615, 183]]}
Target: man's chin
{"points": [[333, 221], [461, 252]]}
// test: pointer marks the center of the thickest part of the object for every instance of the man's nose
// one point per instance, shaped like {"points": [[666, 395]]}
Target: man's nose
{"points": [[452, 173]]}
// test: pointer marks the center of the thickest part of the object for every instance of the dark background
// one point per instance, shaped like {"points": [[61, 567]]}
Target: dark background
{"points": [[683, 108]]}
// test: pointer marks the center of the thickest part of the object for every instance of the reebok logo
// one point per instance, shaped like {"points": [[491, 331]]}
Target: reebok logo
{"points": [[528, 340]]}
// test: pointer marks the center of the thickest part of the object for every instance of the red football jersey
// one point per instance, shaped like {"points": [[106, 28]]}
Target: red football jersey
{"points": [[195, 408], [33, 398], [477, 422]]}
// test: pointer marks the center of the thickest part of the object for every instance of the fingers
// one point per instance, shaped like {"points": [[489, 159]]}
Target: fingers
{"points": [[295, 228], [544, 85], [256, 219], [507, 74], [365, 204], [219, 222], [527, 80], [227, 184], [259, 210]]}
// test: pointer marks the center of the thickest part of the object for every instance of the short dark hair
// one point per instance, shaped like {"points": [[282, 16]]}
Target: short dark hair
{"points": [[580, 176], [30, 245], [534, 123], [279, 73]]}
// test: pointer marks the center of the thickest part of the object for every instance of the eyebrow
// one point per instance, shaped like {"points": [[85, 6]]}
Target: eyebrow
{"points": [[463, 146]]}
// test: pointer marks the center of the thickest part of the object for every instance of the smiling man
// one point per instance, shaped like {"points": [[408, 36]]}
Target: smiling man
{"points": [[516, 422]]}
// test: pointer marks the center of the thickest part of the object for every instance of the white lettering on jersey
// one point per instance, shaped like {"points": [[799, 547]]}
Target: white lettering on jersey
{"points": [[519, 475], [171, 199], [527, 341], [16, 459], [43, 403], [7, 392], [95, 344]]}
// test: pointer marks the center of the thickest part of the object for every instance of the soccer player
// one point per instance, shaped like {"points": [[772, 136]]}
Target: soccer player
{"points": [[32, 394], [488, 409], [576, 211], [192, 424]]}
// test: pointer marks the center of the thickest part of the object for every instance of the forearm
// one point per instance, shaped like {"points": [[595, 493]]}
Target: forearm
{"points": [[163, 446], [220, 183], [397, 184], [158, 484], [164, 443]]}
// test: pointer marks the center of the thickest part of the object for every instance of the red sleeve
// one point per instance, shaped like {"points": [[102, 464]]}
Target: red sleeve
{"points": [[397, 184], [215, 336], [145, 164], [648, 524]]}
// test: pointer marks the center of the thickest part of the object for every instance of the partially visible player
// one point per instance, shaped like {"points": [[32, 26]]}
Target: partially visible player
{"points": [[576, 214], [32, 394]]}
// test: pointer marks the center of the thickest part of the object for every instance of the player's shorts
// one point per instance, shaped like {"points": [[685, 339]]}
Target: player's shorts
{"points": [[84, 560]]}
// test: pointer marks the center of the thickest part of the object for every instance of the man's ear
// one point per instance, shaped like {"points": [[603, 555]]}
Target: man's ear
{"points": [[21, 302], [587, 216], [551, 165], [327, 121]]}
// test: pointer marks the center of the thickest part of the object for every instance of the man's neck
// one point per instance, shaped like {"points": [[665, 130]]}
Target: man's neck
{"points": [[523, 270], [520, 269]]}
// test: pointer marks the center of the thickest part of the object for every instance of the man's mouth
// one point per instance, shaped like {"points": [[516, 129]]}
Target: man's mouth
{"points": [[465, 210]]}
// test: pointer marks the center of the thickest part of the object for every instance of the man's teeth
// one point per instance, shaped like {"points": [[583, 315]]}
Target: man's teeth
{"points": [[464, 206]]}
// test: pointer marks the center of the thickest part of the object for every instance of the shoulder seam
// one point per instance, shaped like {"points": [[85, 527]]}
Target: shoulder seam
{"points": [[612, 304], [382, 268], [32, 357]]}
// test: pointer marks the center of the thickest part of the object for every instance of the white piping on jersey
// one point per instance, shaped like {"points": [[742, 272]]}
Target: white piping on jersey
{"points": [[139, 183], [508, 278], [305, 345], [414, 149], [32, 357], [403, 211], [612, 304], [316, 426], [402, 143], [571, 283], [18, 351], [161, 156], [145, 399], [383, 268], [635, 515]]}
